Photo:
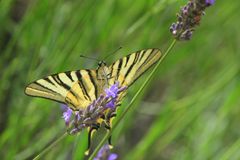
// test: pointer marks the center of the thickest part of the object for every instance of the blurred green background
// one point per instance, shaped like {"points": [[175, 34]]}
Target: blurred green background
{"points": [[189, 111]]}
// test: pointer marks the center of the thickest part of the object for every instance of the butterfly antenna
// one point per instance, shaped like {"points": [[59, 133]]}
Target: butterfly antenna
{"points": [[112, 53], [89, 58]]}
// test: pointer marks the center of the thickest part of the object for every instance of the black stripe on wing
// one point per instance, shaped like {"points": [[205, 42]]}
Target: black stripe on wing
{"points": [[68, 74], [60, 82], [94, 82], [81, 85], [47, 88], [48, 80]]}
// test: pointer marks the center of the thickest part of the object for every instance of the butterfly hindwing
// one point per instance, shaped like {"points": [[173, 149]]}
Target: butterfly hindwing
{"points": [[75, 88]]}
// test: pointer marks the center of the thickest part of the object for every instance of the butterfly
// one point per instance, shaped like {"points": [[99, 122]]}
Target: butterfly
{"points": [[78, 89]]}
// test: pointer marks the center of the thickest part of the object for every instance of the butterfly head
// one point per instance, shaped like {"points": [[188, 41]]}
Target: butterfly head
{"points": [[101, 64]]}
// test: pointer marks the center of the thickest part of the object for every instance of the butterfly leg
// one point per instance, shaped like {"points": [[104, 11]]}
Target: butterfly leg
{"points": [[108, 126], [91, 130]]}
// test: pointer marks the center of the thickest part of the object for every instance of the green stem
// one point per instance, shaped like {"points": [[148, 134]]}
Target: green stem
{"points": [[50, 146], [132, 101]]}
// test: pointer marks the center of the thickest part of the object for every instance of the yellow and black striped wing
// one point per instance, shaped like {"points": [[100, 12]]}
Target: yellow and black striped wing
{"points": [[128, 69], [75, 88]]}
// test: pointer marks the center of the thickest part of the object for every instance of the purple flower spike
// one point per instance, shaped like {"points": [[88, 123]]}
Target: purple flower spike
{"points": [[210, 2], [112, 156], [111, 104], [67, 114], [122, 89], [90, 115], [112, 94], [105, 154], [189, 18], [112, 91]]}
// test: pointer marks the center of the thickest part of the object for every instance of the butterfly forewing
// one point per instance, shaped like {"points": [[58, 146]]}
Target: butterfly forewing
{"points": [[128, 69], [75, 88]]}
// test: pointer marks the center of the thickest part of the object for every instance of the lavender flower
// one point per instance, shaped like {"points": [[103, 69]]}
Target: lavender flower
{"points": [[210, 2], [67, 114], [188, 18], [90, 116], [105, 154], [112, 93]]}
